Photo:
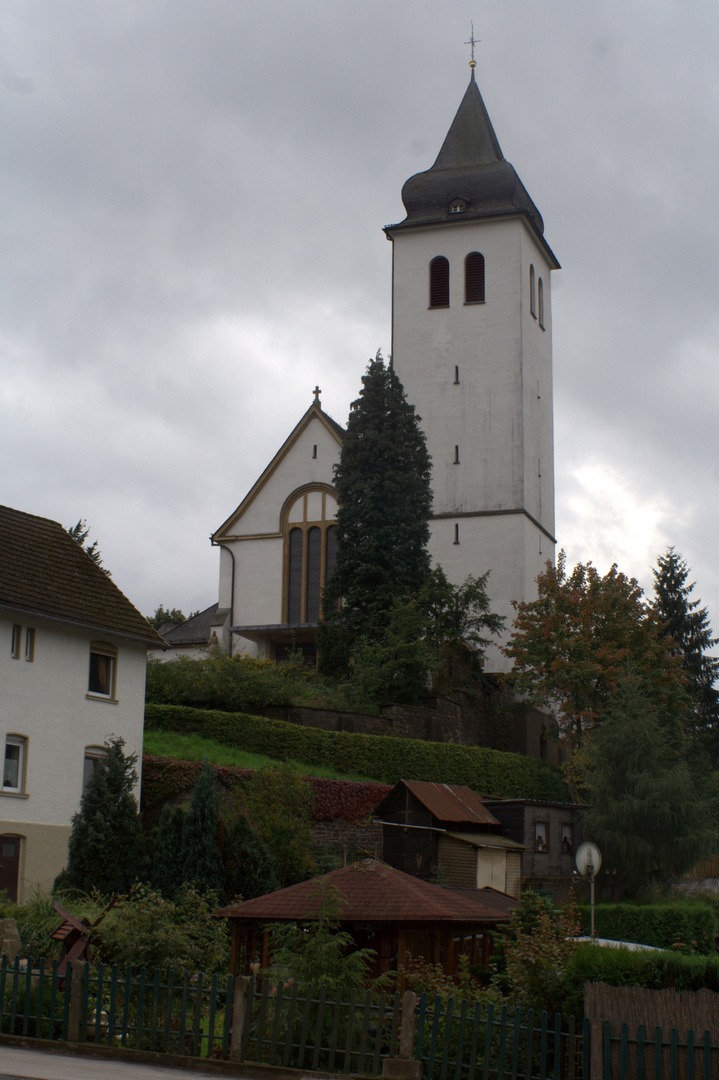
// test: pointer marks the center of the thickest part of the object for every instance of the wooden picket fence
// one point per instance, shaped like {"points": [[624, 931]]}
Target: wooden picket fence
{"points": [[331, 1031]]}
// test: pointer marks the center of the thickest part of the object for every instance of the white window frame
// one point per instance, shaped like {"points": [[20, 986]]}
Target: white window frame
{"points": [[106, 652], [20, 742]]}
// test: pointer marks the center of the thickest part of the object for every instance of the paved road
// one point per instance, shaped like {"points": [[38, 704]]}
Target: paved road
{"points": [[21, 1064]]}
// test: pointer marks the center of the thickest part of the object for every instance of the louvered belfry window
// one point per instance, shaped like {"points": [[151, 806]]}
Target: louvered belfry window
{"points": [[474, 278], [439, 282]]}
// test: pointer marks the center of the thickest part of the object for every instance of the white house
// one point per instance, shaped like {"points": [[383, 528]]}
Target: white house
{"points": [[72, 674], [472, 344]]}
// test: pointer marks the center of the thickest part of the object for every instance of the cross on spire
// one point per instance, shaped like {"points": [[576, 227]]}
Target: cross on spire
{"points": [[472, 41], [317, 393]]}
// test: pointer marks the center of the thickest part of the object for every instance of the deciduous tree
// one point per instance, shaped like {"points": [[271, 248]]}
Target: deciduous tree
{"points": [[572, 645], [648, 810], [279, 803]]}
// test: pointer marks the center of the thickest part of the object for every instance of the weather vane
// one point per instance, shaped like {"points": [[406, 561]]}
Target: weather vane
{"points": [[472, 41]]}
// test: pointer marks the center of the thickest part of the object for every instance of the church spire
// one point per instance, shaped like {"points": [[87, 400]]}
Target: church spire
{"points": [[470, 178]]}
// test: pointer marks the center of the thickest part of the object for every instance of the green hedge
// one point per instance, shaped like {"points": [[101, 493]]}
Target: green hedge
{"points": [[666, 926], [622, 967], [492, 773]]}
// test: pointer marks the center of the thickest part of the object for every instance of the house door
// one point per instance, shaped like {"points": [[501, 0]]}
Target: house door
{"points": [[9, 865]]}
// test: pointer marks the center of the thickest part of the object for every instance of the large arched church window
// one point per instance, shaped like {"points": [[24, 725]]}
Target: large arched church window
{"points": [[310, 552], [439, 282], [474, 278]]}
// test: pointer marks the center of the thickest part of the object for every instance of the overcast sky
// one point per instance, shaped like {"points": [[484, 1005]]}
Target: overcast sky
{"points": [[193, 198]]}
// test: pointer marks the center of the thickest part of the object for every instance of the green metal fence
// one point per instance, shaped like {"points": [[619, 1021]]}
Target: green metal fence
{"points": [[458, 1041], [331, 1031]]}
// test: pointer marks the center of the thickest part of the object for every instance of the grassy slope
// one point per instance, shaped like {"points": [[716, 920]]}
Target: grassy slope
{"points": [[168, 744]]}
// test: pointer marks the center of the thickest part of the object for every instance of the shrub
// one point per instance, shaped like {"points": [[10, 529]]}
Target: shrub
{"points": [[624, 967], [232, 683], [144, 929], [684, 925], [493, 773]]}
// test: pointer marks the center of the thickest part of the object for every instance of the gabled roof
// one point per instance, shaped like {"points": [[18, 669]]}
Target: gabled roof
{"points": [[315, 412], [447, 802], [194, 631], [372, 892], [45, 573], [470, 166]]}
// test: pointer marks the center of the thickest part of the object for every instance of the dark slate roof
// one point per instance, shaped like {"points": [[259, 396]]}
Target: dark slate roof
{"points": [[470, 166], [44, 572], [194, 631], [370, 891], [447, 802]]}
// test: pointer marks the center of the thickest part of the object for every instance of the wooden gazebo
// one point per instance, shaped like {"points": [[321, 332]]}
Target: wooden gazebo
{"points": [[383, 909]]}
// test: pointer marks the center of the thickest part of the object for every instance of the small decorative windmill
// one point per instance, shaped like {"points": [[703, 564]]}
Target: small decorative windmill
{"points": [[76, 936]]}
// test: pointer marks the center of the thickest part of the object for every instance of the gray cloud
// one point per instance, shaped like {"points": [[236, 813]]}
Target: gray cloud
{"points": [[194, 202]]}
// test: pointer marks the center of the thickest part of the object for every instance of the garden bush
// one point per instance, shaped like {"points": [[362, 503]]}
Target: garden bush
{"points": [[625, 967], [232, 683], [493, 773], [684, 925]]}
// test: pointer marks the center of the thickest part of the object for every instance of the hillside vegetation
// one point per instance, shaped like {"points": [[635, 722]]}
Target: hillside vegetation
{"points": [[492, 773]]}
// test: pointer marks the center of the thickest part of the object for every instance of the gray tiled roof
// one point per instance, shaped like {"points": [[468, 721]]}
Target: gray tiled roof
{"points": [[44, 572], [194, 631]]}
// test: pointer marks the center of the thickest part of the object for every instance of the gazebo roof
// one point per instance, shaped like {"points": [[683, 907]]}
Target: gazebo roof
{"points": [[370, 892]]}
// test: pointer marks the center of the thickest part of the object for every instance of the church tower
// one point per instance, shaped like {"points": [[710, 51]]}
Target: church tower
{"points": [[472, 344]]}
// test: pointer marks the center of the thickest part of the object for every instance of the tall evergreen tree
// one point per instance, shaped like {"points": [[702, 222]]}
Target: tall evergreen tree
{"points": [[200, 858], [106, 847], [80, 533], [166, 875], [385, 500], [687, 624]]}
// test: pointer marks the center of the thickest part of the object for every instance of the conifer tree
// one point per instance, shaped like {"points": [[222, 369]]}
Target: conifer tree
{"points": [[200, 859], [385, 499], [106, 848], [166, 874], [250, 866], [687, 624]]}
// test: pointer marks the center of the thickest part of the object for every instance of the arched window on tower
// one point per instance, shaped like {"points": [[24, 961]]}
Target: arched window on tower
{"points": [[532, 301], [439, 282], [474, 278], [540, 302], [310, 552]]}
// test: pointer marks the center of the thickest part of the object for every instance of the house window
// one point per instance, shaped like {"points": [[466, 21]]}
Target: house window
{"points": [[30, 644], [16, 646], [541, 836], [532, 301], [310, 554], [14, 767], [103, 663], [439, 282], [474, 278], [567, 841], [93, 756], [457, 206], [540, 302]]}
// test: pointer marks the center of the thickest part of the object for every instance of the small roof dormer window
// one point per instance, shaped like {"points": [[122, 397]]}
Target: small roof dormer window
{"points": [[458, 206]]}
